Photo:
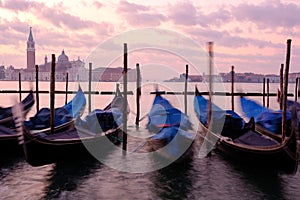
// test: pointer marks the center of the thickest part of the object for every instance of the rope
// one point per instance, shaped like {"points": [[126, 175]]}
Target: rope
{"points": [[140, 146]]}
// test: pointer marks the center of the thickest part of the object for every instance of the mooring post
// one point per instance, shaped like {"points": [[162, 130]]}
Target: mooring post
{"points": [[185, 88], [211, 56], [67, 87], [264, 92], [125, 99], [286, 77], [90, 88], [298, 93], [138, 94], [52, 94], [281, 86], [232, 88], [20, 87], [37, 87], [296, 89], [268, 92]]}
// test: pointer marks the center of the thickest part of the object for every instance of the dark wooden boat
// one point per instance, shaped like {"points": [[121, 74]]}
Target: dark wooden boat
{"points": [[8, 134], [172, 137], [42, 148], [239, 140]]}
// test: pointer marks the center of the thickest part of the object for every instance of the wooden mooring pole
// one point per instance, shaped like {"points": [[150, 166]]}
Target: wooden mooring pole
{"points": [[268, 92], [211, 56], [20, 87], [232, 88], [138, 94], [90, 88], [296, 89], [281, 86], [37, 88], [286, 74], [125, 99], [185, 88], [264, 92], [52, 94], [67, 87]]}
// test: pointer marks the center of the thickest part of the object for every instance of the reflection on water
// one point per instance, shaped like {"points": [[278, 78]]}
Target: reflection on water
{"points": [[173, 181], [67, 176], [265, 183], [213, 177]]}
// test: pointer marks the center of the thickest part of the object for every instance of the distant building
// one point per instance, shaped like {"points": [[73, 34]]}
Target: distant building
{"points": [[30, 52], [2, 72], [63, 66]]}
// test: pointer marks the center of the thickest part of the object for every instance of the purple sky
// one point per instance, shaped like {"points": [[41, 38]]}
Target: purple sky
{"points": [[249, 35]]}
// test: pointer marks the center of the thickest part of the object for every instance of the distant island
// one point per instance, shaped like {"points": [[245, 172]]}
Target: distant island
{"points": [[247, 77]]}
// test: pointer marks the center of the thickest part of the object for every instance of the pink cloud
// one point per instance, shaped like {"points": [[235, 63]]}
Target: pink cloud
{"points": [[138, 15], [269, 14], [186, 13], [18, 5], [98, 4], [183, 13], [126, 7]]}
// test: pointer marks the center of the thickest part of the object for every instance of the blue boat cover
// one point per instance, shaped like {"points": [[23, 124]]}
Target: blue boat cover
{"points": [[253, 139], [174, 134], [269, 119], [234, 126], [26, 103], [64, 114], [169, 124], [163, 114], [110, 117], [226, 122], [99, 120]]}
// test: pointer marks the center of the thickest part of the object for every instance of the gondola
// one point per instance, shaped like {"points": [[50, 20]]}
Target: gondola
{"points": [[239, 140], [172, 136], [43, 148], [8, 134], [267, 121]]}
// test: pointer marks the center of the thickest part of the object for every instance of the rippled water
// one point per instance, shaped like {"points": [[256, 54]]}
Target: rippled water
{"points": [[213, 177]]}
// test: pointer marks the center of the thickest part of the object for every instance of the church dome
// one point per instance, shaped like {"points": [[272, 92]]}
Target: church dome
{"points": [[63, 58]]}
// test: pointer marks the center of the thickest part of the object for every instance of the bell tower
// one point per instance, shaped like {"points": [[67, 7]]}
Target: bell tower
{"points": [[30, 52]]}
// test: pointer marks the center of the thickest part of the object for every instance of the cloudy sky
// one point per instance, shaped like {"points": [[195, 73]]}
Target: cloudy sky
{"points": [[251, 35]]}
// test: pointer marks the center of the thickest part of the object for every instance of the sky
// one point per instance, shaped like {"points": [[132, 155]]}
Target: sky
{"points": [[251, 35]]}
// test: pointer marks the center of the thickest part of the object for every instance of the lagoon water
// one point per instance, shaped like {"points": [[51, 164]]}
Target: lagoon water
{"points": [[212, 177]]}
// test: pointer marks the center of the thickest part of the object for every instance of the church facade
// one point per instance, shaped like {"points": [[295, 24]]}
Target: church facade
{"points": [[75, 69], [63, 66]]}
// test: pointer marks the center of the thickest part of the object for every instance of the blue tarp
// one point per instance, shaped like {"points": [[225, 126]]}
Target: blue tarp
{"points": [[110, 117], [269, 119], [171, 125], [101, 120], [64, 114], [163, 114], [233, 127], [26, 103], [173, 136], [227, 122]]}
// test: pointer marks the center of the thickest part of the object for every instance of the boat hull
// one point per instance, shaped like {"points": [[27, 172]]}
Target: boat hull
{"points": [[39, 151], [282, 157]]}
